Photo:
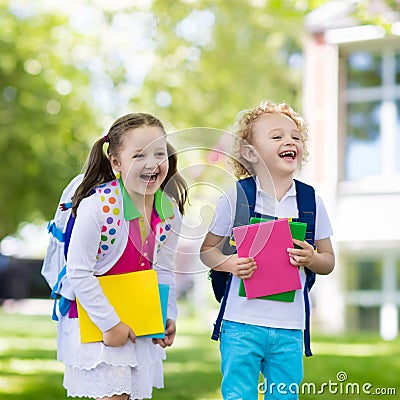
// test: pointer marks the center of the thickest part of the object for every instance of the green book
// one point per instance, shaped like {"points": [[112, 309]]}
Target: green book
{"points": [[298, 231], [257, 220], [285, 296]]}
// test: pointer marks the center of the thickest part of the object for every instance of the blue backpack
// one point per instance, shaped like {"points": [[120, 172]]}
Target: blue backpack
{"points": [[245, 204]]}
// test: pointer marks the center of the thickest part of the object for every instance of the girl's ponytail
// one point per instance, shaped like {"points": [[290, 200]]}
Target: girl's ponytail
{"points": [[97, 171], [174, 184]]}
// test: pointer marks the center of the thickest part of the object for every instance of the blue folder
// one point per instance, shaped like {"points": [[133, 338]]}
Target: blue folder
{"points": [[164, 291]]}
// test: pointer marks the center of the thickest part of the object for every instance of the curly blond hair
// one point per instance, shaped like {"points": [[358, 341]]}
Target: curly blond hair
{"points": [[243, 127]]}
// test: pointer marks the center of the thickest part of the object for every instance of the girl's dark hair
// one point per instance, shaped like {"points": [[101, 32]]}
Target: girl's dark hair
{"points": [[174, 184], [98, 168]]}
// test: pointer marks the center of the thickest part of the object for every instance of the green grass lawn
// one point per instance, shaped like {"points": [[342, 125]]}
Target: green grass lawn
{"points": [[28, 370]]}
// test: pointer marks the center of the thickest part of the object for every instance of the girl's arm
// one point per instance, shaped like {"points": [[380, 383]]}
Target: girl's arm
{"points": [[81, 260], [211, 255], [321, 261], [165, 266]]}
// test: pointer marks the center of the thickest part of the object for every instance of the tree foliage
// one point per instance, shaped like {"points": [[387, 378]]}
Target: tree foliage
{"points": [[46, 116], [193, 63], [214, 58]]}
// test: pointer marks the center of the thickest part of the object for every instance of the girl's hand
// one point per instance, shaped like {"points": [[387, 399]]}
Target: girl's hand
{"points": [[118, 335], [170, 332], [303, 256], [242, 267]]}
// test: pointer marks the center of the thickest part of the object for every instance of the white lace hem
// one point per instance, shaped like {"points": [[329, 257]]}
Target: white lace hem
{"points": [[95, 370], [106, 381]]}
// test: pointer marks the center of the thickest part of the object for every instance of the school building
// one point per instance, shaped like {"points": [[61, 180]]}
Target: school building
{"points": [[351, 100]]}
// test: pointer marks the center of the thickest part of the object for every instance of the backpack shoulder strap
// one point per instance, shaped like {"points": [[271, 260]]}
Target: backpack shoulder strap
{"points": [[246, 200], [67, 233], [305, 196], [245, 203], [244, 209]]}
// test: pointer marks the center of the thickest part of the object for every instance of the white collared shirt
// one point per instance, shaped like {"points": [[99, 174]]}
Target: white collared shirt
{"points": [[276, 314]]}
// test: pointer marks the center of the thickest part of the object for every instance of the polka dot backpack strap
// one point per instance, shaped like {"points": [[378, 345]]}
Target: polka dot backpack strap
{"points": [[112, 209], [164, 230]]}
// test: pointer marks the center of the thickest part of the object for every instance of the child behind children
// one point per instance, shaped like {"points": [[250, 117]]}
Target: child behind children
{"points": [[264, 335], [136, 220]]}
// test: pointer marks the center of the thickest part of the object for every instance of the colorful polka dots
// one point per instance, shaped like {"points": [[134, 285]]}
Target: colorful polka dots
{"points": [[109, 196], [113, 222]]}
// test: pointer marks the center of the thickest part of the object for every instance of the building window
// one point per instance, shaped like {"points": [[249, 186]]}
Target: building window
{"points": [[364, 70], [398, 127], [398, 275], [363, 141], [372, 113], [398, 69], [360, 318], [364, 275], [372, 290]]}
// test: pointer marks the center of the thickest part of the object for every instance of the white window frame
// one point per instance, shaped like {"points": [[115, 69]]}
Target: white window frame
{"points": [[388, 180], [387, 298]]}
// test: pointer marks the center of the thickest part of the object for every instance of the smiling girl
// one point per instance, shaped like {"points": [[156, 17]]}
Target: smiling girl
{"points": [[136, 220]]}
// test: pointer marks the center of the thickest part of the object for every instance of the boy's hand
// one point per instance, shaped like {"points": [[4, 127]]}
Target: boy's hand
{"points": [[170, 332], [242, 267], [302, 256], [118, 335]]}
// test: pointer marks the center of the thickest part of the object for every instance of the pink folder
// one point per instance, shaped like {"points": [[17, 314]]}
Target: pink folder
{"points": [[267, 242]]}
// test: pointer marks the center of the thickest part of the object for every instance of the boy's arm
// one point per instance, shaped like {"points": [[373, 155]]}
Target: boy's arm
{"points": [[321, 261], [211, 255]]}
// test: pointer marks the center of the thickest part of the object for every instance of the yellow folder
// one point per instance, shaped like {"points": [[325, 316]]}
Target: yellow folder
{"points": [[135, 298]]}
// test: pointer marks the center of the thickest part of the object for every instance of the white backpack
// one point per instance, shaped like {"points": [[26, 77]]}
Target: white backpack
{"points": [[54, 260]]}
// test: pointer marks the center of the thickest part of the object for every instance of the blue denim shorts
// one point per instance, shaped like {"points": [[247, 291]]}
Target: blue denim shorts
{"points": [[248, 350]]}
